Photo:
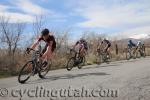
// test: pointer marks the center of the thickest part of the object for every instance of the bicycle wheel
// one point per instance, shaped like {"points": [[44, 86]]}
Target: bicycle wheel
{"points": [[143, 54], [82, 62], [128, 55], [105, 58], [138, 54], [99, 59], [26, 72], [44, 70], [70, 63], [108, 58], [134, 54]]}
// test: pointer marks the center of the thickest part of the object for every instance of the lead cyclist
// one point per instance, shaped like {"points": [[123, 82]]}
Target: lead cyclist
{"points": [[49, 48]]}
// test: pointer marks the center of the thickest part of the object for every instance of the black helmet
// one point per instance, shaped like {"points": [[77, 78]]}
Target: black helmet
{"points": [[44, 32]]}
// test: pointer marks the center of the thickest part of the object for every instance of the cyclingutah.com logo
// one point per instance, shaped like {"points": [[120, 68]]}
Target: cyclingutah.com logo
{"points": [[41, 92]]}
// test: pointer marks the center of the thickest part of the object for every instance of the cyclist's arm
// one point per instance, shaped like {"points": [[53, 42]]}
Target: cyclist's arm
{"points": [[76, 44], [35, 44], [98, 45]]}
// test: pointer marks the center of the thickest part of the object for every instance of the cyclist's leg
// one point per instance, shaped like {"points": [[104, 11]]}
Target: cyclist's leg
{"points": [[48, 55], [81, 50], [135, 48], [108, 49]]}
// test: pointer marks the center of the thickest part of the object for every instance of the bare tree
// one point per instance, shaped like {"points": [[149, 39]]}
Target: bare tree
{"points": [[62, 39], [38, 24], [10, 34]]}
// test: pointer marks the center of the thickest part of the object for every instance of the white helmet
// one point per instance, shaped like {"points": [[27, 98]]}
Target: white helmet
{"points": [[139, 42]]}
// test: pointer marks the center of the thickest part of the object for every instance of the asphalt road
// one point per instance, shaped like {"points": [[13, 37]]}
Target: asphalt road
{"points": [[122, 80]]}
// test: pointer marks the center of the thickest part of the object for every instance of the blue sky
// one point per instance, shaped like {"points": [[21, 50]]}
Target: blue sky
{"points": [[117, 18]]}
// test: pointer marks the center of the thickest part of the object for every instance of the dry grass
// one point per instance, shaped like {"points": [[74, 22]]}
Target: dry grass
{"points": [[10, 66]]}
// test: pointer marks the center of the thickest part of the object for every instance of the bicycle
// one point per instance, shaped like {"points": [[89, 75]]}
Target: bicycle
{"points": [[103, 56], [130, 53], [35, 67], [76, 60], [140, 52]]}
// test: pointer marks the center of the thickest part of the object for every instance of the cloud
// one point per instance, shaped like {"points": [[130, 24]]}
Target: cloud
{"points": [[100, 15], [130, 17], [136, 33], [30, 7], [14, 16], [17, 17], [140, 36], [26, 10], [3, 7]]}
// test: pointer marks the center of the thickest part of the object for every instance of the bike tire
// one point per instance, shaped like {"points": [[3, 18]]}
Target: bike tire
{"points": [[108, 58], [45, 70], [128, 56], [99, 59], [21, 72], [82, 63], [138, 54], [105, 58], [143, 54], [72, 61]]}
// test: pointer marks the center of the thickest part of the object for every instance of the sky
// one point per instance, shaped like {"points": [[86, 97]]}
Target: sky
{"points": [[116, 18]]}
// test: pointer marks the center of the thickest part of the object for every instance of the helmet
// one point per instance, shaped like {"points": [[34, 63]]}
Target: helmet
{"points": [[130, 41], [81, 39], [139, 42], [104, 39], [44, 32]]}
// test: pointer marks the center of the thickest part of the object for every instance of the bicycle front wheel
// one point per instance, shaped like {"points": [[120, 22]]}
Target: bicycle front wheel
{"points": [[70, 63], [26, 72], [128, 55]]}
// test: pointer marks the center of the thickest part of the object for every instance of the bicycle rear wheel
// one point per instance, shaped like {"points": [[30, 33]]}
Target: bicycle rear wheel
{"points": [[138, 54], [105, 58], [82, 60], [44, 70], [108, 58], [70, 63], [26, 72]]}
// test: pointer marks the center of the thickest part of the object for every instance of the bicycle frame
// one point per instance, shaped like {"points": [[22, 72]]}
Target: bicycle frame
{"points": [[103, 55], [35, 58]]}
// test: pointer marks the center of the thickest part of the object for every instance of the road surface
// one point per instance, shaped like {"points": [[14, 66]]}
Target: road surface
{"points": [[121, 80]]}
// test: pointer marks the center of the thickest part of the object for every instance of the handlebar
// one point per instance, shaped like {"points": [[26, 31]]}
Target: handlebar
{"points": [[73, 50], [31, 49]]}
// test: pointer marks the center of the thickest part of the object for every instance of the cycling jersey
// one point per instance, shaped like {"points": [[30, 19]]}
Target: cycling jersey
{"points": [[50, 38], [82, 43], [107, 42], [131, 44]]}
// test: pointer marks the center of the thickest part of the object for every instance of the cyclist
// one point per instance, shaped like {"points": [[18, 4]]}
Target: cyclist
{"points": [[107, 47], [131, 44], [82, 46], [141, 47], [49, 47], [139, 44]]}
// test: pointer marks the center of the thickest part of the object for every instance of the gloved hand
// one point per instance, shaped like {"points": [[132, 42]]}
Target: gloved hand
{"points": [[41, 54], [28, 50]]}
